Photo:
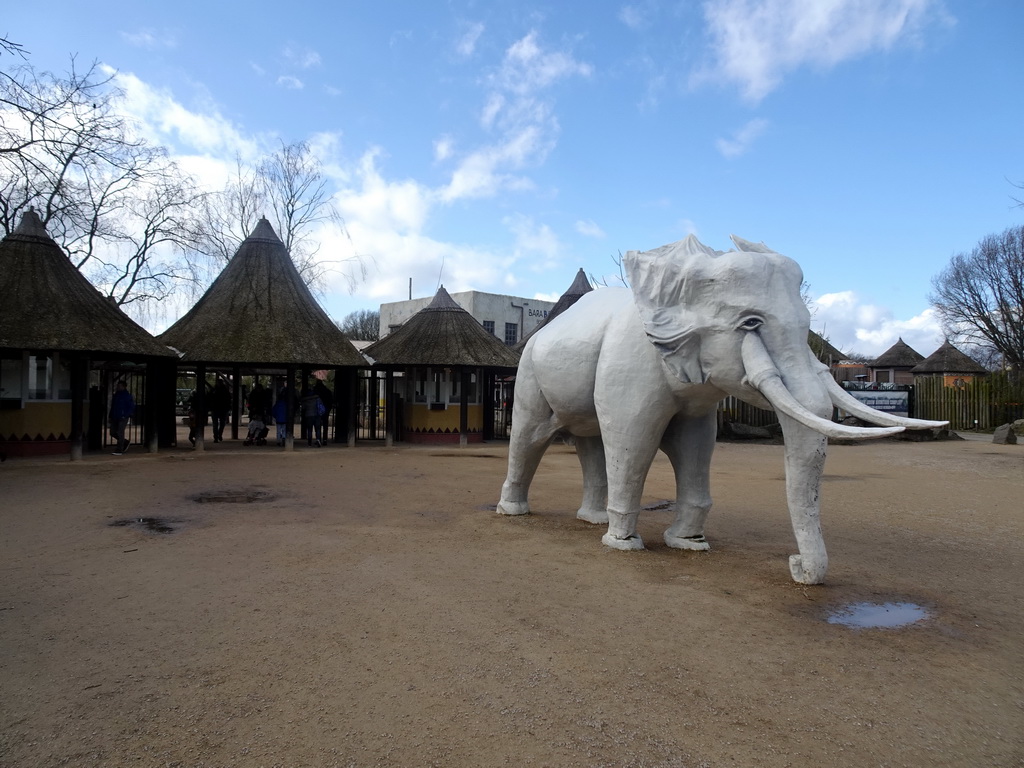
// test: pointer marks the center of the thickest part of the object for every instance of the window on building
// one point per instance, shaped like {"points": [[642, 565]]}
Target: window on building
{"points": [[511, 333], [882, 377], [10, 380], [489, 326]]}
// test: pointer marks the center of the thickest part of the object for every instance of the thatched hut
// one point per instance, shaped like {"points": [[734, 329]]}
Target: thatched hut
{"points": [[951, 364], [259, 318], [447, 363], [894, 365], [58, 335]]}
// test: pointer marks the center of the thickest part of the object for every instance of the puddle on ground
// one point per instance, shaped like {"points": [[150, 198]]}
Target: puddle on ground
{"points": [[151, 524], [467, 455], [232, 497], [877, 615]]}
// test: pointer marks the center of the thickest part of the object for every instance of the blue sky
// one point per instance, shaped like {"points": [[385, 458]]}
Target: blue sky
{"points": [[501, 145]]}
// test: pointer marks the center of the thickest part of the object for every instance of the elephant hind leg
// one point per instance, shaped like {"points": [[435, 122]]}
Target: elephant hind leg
{"points": [[590, 451], [689, 444], [526, 448]]}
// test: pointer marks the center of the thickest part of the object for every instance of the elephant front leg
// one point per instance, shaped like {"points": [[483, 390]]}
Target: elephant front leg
{"points": [[590, 451], [689, 444], [627, 467], [805, 462]]}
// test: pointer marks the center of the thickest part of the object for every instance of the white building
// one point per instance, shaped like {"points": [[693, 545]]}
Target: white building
{"points": [[507, 317]]}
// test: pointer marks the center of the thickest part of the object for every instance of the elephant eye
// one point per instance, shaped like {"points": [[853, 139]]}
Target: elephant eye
{"points": [[751, 324]]}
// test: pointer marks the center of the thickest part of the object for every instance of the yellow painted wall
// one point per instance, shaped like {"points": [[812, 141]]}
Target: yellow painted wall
{"points": [[418, 417], [43, 418]]}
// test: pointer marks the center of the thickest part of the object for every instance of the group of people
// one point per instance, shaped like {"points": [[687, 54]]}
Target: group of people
{"points": [[314, 406]]}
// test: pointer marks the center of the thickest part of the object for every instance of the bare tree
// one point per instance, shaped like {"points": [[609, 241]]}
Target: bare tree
{"points": [[120, 209], [8, 45], [980, 297], [361, 325], [289, 188]]}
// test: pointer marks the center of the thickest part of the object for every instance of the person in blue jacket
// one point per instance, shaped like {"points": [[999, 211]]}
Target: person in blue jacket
{"points": [[122, 408], [281, 414]]}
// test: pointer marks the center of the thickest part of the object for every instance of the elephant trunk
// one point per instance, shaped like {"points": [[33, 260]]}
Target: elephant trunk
{"points": [[763, 376]]}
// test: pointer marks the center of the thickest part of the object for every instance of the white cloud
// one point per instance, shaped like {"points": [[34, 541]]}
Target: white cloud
{"points": [[756, 43], [522, 119], [290, 82], [299, 56], [165, 121], [443, 148], [552, 297], [855, 326], [632, 17], [528, 68], [534, 242], [487, 170], [149, 39], [589, 228], [742, 139], [466, 44]]}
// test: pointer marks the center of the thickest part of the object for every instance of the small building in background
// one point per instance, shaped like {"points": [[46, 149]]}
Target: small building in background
{"points": [[894, 366], [507, 318], [62, 346], [955, 368], [441, 365]]}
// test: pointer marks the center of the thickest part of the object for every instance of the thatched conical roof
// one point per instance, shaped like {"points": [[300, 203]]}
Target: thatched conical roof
{"points": [[948, 359], [259, 312], [442, 333], [580, 286], [47, 304], [899, 355]]}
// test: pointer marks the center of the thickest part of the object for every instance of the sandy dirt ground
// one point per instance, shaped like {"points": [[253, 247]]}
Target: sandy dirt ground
{"points": [[368, 608]]}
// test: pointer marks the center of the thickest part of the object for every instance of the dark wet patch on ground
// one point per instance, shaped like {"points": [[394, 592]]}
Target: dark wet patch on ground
{"points": [[149, 524], [234, 496]]}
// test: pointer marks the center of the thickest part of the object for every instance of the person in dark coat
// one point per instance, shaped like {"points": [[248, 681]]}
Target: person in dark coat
{"points": [[122, 408], [312, 416], [220, 407]]}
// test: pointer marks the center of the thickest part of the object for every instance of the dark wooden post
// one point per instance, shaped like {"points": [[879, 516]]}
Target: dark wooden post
{"points": [[389, 408], [200, 407], [464, 407], [289, 430], [236, 400], [487, 402], [151, 416], [79, 375], [352, 399]]}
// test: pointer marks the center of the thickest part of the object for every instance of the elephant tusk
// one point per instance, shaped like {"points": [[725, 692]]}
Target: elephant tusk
{"points": [[766, 379], [843, 399]]}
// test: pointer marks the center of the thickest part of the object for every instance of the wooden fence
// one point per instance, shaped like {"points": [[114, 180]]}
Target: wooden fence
{"points": [[983, 403]]}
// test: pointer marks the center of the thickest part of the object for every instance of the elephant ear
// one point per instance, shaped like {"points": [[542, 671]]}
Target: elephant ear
{"points": [[746, 246], [658, 279]]}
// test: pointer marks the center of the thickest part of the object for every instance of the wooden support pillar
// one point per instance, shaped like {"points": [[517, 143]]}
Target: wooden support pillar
{"points": [[236, 400], [79, 376], [389, 411], [151, 415], [200, 407], [289, 429], [352, 401], [487, 400], [464, 407]]}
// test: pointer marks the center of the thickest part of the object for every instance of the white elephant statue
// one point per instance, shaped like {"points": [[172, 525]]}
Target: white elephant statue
{"points": [[630, 370]]}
